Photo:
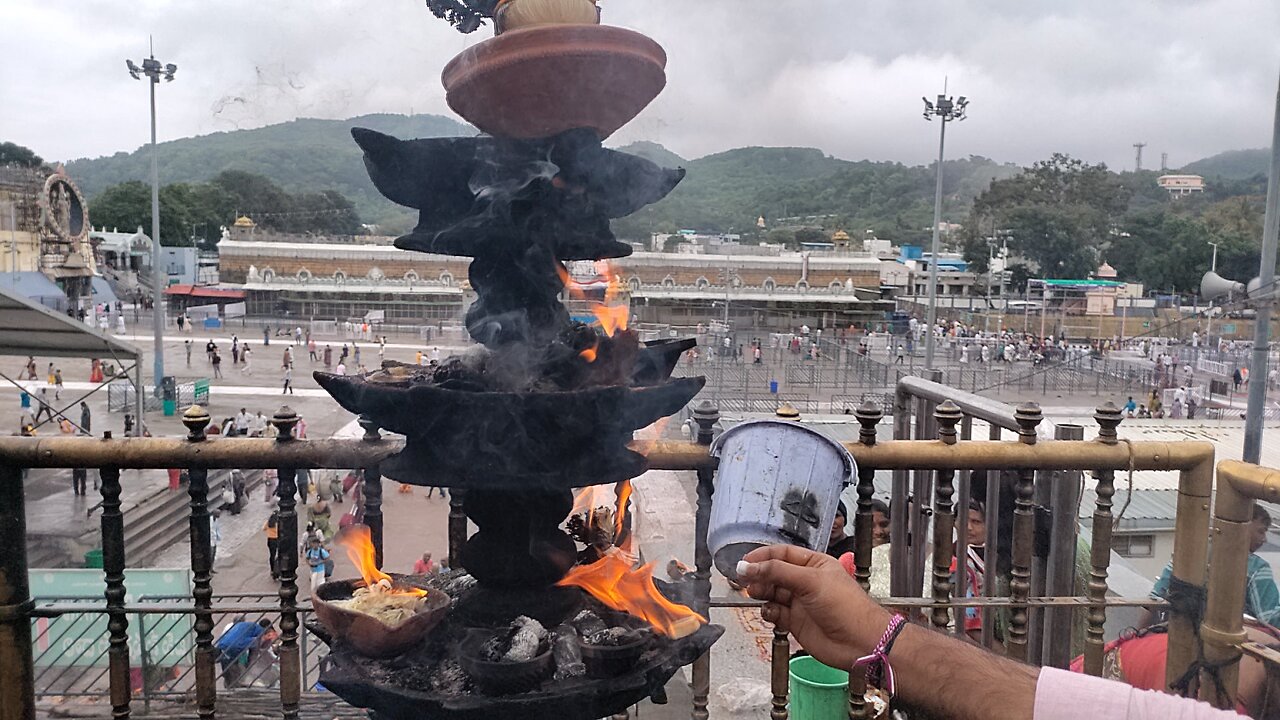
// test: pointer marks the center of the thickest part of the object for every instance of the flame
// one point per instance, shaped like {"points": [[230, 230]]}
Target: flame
{"points": [[620, 515], [590, 353], [612, 317], [358, 543], [615, 582], [648, 437], [570, 285]]}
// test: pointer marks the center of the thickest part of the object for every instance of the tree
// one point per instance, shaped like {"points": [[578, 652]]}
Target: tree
{"points": [[1057, 215], [15, 154]]}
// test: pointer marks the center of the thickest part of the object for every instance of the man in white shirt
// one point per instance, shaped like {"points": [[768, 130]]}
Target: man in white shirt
{"points": [[257, 425], [241, 422]]}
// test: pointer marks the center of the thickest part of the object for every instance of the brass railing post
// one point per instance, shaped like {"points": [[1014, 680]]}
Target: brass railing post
{"points": [[705, 416], [113, 564], [1028, 417], [17, 689], [1190, 560], [899, 513], [372, 492], [196, 419], [947, 415], [287, 491], [1108, 418]]}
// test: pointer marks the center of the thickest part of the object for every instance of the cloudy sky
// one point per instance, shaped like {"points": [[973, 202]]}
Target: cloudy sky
{"points": [[1087, 77]]}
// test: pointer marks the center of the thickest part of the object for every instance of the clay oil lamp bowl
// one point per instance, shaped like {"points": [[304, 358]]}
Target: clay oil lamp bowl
{"points": [[368, 634]]}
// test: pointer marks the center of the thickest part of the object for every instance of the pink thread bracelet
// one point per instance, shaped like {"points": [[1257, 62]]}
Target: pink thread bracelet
{"points": [[879, 671]]}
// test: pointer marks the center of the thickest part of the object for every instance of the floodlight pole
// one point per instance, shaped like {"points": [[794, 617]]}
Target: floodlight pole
{"points": [[1256, 408], [945, 110], [153, 71]]}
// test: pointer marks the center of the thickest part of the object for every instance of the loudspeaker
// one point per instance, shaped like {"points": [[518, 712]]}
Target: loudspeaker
{"points": [[1213, 285]]}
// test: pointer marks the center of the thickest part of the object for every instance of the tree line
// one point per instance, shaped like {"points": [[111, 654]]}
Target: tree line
{"points": [[1062, 218], [194, 213]]}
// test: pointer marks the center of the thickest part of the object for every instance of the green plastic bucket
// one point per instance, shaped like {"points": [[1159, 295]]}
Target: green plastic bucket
{"points": [[93, 559], [818, 692]]}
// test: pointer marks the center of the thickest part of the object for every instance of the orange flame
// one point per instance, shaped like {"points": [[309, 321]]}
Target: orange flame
{"points": [[613, 581], [570, 285], [612, 317], [620, 516], [590, 353], [358, 543]]}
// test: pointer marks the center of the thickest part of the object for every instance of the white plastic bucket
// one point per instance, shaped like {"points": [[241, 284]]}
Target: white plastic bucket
{"points": [[778, 483]]}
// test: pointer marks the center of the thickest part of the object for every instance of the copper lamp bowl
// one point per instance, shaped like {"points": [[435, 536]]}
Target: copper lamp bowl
{"points": [[540, 81], [369, 636]]}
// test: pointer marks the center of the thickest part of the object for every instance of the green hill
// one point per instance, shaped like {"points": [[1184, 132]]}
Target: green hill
{"points": [[305, 155], [789, 186], [1233, 164], [654, 152], [725, 191]]}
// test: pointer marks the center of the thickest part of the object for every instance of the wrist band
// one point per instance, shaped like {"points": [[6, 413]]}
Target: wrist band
{"points": [[879, 671]]}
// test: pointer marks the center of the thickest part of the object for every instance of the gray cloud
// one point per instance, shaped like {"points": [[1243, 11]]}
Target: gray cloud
{"points": [[1189, 77]]}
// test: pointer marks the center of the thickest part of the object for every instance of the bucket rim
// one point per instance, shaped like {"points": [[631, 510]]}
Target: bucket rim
{"points": [[850, 465], [814, 683]]}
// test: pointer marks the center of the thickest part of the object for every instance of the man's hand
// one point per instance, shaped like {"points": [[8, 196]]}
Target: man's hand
{"points": [[811, 596]]}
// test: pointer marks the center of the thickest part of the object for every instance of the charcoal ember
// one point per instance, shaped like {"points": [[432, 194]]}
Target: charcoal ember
{"points": [[568, 655], [461, 373], [527, 640], [588, 623], [454, 584], [495, 648], [612, 637], [449, 678]]}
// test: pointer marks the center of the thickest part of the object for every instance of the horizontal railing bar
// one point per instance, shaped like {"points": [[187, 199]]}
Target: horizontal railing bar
{"points": [[164, 453], [991, 411], [727, 601], [52, 610]]}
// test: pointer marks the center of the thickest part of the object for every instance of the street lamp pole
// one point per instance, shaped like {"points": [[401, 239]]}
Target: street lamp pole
{"points": [[153, 71], [1262, 321], [1213, 265], [946, 110]]}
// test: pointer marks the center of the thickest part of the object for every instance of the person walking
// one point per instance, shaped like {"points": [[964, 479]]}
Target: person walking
{"points": [[31, 368], [328, 357], [288, 381], [311, 350], [215, 537], [79, 476], [287, 360], [244, 360], [44, 409], [186, 345], [57, 384], [217, 364], [271, 528], [209, 349], [85, 418], [317, 557], [266, 335]]}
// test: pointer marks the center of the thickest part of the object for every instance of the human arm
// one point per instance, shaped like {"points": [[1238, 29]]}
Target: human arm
{"points": [[812, 597]]}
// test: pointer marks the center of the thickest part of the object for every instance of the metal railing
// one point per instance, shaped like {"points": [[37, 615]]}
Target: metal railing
{"points": [[938, 419]]}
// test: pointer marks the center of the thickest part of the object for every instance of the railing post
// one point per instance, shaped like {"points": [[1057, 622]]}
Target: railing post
{"points": [[287, 491], [1060, 571], [779, 675], [992, 542], [899, 551], [195, 419], [869, 416], [113, 564], [948, 415], [17, 690], [1028, 417], [1108, 417], [705, 415], [372, 493], [1190, 563]]}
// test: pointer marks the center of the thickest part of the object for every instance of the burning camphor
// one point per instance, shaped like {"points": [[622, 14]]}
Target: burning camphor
{"points": [[380, 597]]}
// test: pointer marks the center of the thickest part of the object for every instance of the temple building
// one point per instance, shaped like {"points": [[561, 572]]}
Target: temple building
{"points": [[44, 236]]}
